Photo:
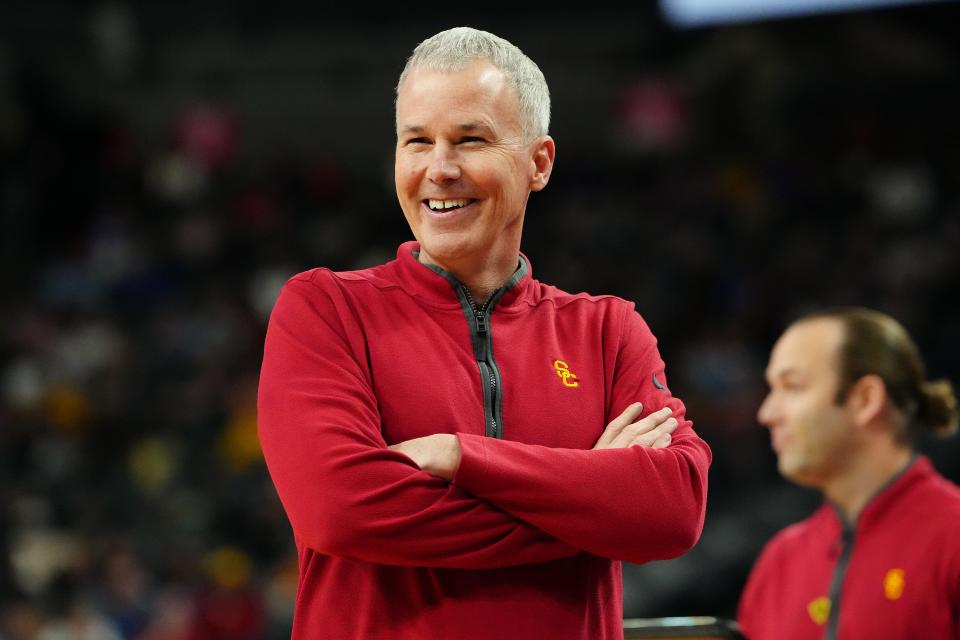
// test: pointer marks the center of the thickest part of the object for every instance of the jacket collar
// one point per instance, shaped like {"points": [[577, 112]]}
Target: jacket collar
{"points": [[439, 287], [917, 470]]}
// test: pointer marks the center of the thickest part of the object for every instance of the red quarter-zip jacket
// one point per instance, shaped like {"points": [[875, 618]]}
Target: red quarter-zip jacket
{"points": [[894, 574], [527, 539]]}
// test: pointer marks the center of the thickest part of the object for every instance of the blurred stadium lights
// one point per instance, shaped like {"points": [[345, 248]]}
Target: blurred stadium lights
{"points": [[699, 13]]}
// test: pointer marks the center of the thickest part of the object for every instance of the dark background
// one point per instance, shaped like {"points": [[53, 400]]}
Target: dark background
{"points": [[165, 167]]}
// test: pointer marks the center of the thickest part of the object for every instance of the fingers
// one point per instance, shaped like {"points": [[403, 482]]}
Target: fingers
{"points": [[629, 415], [627, 431], [655, 429], [662, 441]]}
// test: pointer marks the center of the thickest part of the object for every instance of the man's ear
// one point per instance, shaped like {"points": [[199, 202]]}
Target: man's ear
{"points": [[544, 151], [867, 400]]}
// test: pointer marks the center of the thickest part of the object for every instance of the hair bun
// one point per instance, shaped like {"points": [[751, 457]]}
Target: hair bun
{"points": [[937, 412]]}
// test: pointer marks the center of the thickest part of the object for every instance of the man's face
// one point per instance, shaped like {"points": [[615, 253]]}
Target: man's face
{"points": [[810, 432], [463, 168]]}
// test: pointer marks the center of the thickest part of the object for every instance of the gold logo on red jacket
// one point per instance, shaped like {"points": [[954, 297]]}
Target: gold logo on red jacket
{"points": [[893, 584], [819, 610], [566, 376]]}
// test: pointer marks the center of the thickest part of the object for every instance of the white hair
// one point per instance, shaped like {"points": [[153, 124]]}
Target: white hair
{"points": [[456, 49]]}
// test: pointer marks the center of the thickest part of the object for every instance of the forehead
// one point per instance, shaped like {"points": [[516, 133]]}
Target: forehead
{"points": [[807, 347], [477, 93]]}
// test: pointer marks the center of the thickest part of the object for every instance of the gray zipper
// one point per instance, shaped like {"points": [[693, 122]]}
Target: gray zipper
{"points": [[481, 337], [836, 586], [846, 541]]}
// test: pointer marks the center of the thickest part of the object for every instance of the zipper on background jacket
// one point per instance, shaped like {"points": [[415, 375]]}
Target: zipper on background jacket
{"points": [[847, 538], [836, 587]]}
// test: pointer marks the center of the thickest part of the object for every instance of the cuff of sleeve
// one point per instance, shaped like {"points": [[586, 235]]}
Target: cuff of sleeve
{"points": [[473, 459]]}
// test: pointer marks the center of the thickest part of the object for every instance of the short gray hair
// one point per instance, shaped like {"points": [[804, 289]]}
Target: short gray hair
{"points": [[456, 49]]}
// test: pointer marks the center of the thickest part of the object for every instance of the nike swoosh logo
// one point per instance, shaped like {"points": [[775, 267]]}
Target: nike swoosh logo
{"points": [[658, 384]]}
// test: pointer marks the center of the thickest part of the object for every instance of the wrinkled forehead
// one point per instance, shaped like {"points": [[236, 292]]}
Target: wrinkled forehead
{"points": [[479, 80], [479, 92]]}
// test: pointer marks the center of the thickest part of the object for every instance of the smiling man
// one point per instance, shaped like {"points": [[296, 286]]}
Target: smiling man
{"points": [[881, 558], [463, 451]]}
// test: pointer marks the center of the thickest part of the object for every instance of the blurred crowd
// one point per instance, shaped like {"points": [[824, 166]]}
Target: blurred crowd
{"points": [[725, 180]]}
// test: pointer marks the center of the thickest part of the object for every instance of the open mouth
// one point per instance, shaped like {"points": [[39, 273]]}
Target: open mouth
{"points": [[446, 206]]}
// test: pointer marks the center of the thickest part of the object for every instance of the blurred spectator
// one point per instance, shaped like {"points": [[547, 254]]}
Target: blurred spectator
{"points": [[230, 607]]}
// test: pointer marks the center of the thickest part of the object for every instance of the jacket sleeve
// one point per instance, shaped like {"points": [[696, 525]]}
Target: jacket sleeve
{"points": [[635, 504], [346, 494]]}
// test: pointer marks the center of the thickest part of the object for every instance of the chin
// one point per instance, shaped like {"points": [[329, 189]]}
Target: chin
{"points": [[788, 468], [796, 473], [443, 249]]}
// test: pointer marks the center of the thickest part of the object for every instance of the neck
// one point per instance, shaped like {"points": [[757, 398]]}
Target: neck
{"points": [[481, 278], [866, 474]]}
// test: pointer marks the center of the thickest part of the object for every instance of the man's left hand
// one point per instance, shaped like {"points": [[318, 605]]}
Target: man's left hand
{"points": [[437, 454]]}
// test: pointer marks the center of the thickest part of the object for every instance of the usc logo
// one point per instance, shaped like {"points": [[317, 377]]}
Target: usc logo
{"points": [[819, 610], [893, 584], [566, 376]]}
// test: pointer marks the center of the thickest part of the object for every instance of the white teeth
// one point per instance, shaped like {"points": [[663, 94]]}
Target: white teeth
{"points": [[447, 204]]}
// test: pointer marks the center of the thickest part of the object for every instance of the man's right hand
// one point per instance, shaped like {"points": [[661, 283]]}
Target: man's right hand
{"points": [[627, 431]]}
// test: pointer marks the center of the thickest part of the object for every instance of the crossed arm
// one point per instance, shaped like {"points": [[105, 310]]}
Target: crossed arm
{"points": [[482, 504], [439, 454]]}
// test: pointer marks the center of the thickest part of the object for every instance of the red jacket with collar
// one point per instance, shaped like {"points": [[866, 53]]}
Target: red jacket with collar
{"points": [[527, 539], [895, 575]]}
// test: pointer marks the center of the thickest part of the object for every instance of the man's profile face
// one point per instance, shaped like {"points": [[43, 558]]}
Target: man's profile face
{"points": [[810, 432], [463, 168]]}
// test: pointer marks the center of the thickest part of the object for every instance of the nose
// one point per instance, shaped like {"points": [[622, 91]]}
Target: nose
{"points": [[444, 166], [766, 414]]}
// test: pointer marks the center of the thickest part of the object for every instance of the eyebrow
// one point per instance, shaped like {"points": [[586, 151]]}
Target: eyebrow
{"points": [[466, 127], [475, 126], [783, 373]]}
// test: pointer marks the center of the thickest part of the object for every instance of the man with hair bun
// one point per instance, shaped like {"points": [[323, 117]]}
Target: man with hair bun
{"points": [[462, 451], [848, 400]]}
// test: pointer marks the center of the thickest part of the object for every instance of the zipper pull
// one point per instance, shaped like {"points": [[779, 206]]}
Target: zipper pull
{"points": [[481, 323], [481, 336]]}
